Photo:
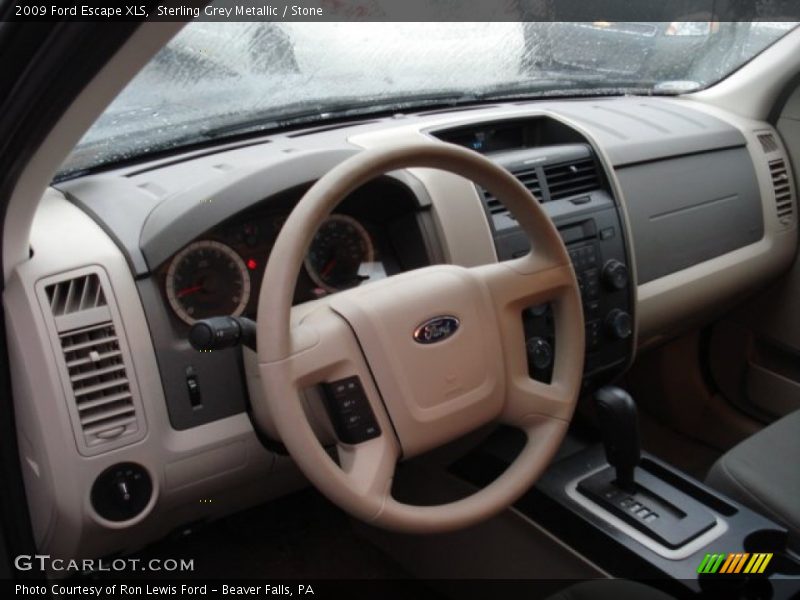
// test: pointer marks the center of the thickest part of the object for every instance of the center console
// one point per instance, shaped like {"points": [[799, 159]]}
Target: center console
{"points": [[569, 182], [636, 517], [654, 510], [667, 524], [560, 168]]}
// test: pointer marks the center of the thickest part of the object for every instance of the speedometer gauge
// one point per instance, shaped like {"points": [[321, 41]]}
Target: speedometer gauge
{"points": [[339, 249], [207, 279]]}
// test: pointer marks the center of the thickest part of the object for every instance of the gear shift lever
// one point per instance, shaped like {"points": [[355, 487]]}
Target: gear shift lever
{"points": [[620, 429], [649, 504]]}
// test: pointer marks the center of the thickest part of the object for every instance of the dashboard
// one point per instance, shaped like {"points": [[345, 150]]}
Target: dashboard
{"points": [[671, 211]]}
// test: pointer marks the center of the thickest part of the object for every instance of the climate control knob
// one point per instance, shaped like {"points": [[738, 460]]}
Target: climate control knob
{"points": [[619, 324], [615, 275]]}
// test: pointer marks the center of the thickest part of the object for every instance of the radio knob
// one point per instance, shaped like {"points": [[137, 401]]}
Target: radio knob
{"points": [[615, 275], [619, 324]]}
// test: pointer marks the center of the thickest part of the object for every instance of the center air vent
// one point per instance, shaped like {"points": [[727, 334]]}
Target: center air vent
{"points": [[94, 362], [783, 190], [550, 173], [528, 177], [570, 179]]}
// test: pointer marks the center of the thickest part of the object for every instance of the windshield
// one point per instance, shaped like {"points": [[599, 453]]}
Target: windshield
{"points": [[218, 79]]}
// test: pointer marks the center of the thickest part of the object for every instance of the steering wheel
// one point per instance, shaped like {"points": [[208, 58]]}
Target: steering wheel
{"points": [[470, 369]]}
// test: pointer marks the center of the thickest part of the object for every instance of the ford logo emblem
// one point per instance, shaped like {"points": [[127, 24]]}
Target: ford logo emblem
{"points": [[436, 329]]}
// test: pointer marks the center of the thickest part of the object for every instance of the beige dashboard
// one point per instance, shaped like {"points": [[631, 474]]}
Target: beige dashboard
{"points": [[219, 467]]}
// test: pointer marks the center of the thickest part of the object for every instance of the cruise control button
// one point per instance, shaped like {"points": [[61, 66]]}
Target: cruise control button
{"points": [[350, 411], [348, 404]]}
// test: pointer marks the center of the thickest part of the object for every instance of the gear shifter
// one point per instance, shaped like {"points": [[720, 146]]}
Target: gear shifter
{"points": [[647, 503], [620, 429]]}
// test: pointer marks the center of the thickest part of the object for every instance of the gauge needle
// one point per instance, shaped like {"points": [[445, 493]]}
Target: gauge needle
{"points": [[189, 290], [328, 267]]}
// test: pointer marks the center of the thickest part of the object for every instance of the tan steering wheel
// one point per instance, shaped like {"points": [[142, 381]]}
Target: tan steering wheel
{"points": [[423, 395]]}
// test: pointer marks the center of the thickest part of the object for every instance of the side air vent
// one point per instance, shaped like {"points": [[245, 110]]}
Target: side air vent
{"points": [[570, 179], [783, 190], [99, 381], [768, 142], [528, 177], [94, 361], [75, 295]]}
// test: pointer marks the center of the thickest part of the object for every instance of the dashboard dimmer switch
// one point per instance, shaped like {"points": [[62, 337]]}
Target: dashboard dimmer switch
{"points": [[193, 387]]}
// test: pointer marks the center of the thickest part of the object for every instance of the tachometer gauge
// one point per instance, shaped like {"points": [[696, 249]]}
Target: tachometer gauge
{"points": [[339, 249], [207, 279]]}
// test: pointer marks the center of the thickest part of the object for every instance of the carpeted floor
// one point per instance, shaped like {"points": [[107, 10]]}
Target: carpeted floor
{"points": [[302, 536]]}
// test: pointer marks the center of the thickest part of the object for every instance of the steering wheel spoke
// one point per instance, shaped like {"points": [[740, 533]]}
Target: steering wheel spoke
{"points": [[528, 400], [321, 347], [516, 286], [370, 466], [524, 282], [323, 350]]}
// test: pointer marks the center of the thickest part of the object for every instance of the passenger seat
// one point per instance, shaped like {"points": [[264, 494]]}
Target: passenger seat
{"points": [[763, 472]]}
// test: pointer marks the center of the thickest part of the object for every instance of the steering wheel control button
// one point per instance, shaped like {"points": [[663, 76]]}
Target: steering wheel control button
{"points": [[540, 353], [619, 324], [121, 492], [350, 412], [615, 275], [539, 310]]}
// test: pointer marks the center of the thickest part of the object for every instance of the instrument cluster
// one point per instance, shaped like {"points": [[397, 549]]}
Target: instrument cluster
{"points": [[373, 234]]}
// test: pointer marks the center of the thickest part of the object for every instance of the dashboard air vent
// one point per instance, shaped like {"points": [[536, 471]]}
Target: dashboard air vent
{"points": [[783, 190], [94, 360], [75, 295], [768, 142], [99, 381], [572, 178], [529, 178]]}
